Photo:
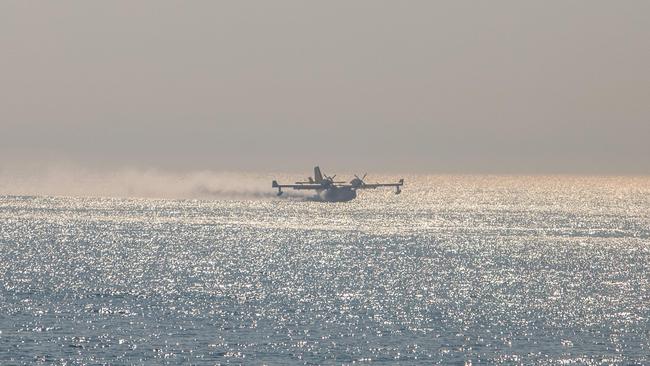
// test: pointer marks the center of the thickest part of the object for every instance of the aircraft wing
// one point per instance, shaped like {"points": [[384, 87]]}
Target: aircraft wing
{"points": [[378, 185], [296, 186]]}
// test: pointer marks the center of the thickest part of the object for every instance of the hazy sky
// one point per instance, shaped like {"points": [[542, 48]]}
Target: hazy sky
{"points": [[423, 86]]}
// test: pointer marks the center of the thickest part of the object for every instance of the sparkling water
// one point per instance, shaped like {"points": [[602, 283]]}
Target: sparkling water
{"points": [[456, 269]]}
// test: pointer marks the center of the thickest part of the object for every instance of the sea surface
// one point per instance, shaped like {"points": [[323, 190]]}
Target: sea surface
{"points": [[455, 270]]}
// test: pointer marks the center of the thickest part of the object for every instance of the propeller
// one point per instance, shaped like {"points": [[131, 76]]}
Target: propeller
{"points": [[359, 181], [331, 179]]}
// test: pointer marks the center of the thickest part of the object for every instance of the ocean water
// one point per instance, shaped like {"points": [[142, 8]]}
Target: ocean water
{"points": [[455, 270]]}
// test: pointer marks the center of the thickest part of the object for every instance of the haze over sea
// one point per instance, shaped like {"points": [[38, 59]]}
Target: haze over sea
{"points": [[456, 269]]}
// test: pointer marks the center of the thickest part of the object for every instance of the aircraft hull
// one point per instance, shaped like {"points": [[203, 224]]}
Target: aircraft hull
{"points": [[338, 194]]}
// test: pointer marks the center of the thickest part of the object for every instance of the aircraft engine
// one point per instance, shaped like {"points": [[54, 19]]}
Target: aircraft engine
{"points": [[356, 182]]}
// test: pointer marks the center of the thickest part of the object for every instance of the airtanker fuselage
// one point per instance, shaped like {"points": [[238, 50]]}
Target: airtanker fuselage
{"points": [[338, 194]]}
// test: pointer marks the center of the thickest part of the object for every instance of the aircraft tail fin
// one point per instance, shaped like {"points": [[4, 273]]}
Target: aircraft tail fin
{"points": [[318, 177]]}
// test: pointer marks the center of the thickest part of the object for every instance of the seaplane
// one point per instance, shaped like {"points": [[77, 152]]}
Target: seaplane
{"points": [[329, 190]]}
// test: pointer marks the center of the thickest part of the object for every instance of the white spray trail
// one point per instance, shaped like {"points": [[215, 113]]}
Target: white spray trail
{"points": [[67, 181]]}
